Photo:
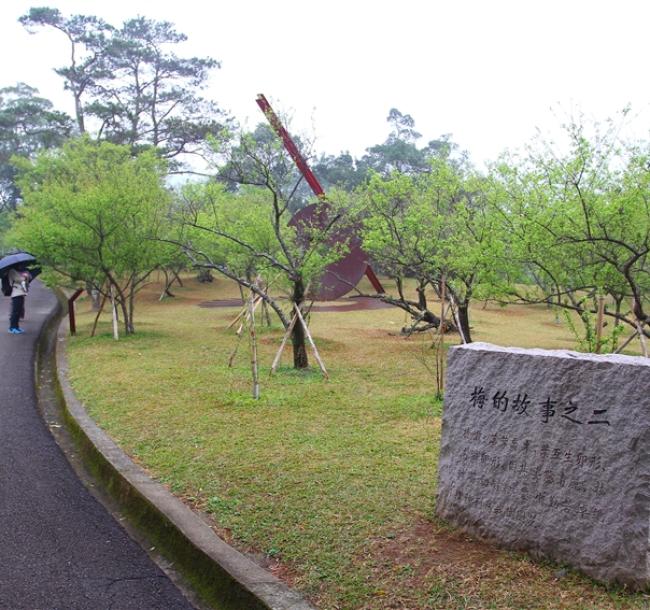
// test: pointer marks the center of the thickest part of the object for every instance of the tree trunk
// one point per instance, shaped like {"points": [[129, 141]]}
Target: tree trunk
{"points": [[81, 123], [127, 310], [131, 326], [463, 320], [177, 277], [422, 299], [95, 296], [125, 315], [300, 360], [204, 276]]}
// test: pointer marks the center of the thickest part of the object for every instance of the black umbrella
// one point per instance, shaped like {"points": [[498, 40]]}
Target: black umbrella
{"points": [[11, 260]]}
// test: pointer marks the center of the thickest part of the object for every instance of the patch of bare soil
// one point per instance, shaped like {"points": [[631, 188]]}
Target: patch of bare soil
{"points": [[429, 567]]}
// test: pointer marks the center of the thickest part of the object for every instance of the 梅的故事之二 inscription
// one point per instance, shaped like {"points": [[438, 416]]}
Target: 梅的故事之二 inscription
{"points": [[549, 452]]}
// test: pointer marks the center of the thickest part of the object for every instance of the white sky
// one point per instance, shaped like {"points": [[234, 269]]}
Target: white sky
{"points": [[487, 71]]}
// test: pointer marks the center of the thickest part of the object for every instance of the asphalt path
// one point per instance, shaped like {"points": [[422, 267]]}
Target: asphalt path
{"points": [[60, 549]]}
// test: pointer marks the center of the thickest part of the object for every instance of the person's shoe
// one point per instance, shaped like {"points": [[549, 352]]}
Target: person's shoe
{"points": [[16, 331]]}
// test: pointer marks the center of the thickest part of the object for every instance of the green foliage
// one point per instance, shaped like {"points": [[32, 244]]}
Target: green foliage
{"points": [[92, 213], [580, 222], [86, 37], [214, 210], [238, 232], [400, 153], [434, 225], [5, 224], [150, 96], [131, 83], [341, 171], [28, 124]]}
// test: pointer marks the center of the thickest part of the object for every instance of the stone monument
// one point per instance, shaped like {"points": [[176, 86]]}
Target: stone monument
{"points": [[549, 452]]}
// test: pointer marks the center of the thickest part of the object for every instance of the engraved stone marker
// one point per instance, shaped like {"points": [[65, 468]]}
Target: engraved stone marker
{"points": [[549, 452]]}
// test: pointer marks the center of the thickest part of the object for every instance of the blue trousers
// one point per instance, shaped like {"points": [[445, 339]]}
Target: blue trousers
{"points": [[17, 305]]}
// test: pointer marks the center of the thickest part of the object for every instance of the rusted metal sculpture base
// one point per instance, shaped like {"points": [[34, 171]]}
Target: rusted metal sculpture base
{"points": [[351, 304]]}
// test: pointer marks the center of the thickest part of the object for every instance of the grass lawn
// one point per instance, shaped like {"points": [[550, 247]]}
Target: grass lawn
{"points": [[330, 484]]}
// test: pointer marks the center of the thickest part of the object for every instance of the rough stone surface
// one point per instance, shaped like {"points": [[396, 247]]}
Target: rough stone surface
{"points": [[549, 452]]}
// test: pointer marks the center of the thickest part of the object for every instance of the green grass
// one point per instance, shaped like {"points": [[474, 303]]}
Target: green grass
{"points": [[333, 481]]}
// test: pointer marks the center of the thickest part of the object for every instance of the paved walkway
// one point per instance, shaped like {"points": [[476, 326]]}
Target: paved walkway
{"points": [[59, 548]]}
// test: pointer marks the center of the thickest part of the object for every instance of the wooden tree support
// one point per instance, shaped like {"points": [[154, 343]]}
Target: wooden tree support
{"points": [[627, 341], [311, 342], [234, 352], [249, 320], [297, 318], [250, 313], [116, 332], [287, 334], [244, 312], [253, 343], [99, 313]]}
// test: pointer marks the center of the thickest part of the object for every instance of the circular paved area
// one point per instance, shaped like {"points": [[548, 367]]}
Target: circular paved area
{"points": [[348, 304]]}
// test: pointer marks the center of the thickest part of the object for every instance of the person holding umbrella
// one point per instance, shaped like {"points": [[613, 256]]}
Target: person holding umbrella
{"points": [[14, 267]]}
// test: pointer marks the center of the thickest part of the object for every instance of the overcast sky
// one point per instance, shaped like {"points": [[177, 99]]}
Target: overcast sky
{"points": [[487, 71]]}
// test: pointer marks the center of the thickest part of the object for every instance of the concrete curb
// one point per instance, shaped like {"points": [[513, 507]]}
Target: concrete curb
{"points": [[222, 576]]}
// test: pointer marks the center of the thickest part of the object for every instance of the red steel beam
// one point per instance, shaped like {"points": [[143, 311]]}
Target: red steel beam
{"points": [[292, 149], [374, 280]]}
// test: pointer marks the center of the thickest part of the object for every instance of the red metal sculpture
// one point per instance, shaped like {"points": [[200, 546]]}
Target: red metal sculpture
{"points": [[340, 277]]}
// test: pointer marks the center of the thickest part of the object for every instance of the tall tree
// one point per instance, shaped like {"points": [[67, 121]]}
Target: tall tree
{"points": [[340, 171], [28, 124], [400, 153], [252, 238], [132, 84], [93, 213], [87, 37], [151, 95]]}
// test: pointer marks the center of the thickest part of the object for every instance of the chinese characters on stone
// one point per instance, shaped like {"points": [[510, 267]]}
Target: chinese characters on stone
{"points": [[547, 410]]}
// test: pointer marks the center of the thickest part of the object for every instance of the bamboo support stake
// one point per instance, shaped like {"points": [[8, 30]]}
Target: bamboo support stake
{"points": [[234, 352], [253, 340], [116, 332], [454, 312], [265, 313], [599, 322], [311, 342], [238, 317], [233, 322], [287, 334], [99, 312], [243, 312], [247, 318]]}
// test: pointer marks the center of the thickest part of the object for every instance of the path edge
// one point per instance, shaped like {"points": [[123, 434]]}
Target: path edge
{"points": [[221, 576]]}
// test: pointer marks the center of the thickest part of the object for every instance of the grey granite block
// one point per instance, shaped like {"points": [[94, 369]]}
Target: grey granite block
{"points": [[549, 452]]}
